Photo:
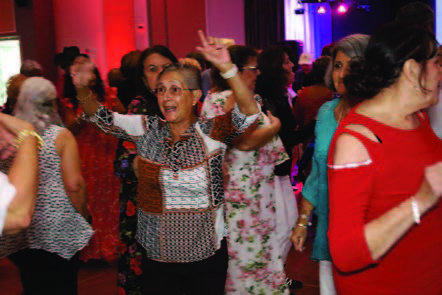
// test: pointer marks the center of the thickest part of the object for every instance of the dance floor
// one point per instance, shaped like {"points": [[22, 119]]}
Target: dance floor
{"points": [[100, 278]]}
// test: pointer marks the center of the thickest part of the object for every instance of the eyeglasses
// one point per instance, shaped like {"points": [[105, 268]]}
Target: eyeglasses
{"points": [[173, 90], [252, 68]]}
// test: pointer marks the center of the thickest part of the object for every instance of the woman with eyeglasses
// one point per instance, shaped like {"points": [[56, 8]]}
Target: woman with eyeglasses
{"points": [[150, 64], [255, 260], [180, 190]]}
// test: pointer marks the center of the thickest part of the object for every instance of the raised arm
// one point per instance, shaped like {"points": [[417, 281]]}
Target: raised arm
{"points": [[112, 123], [219, 56], [82, 72]]}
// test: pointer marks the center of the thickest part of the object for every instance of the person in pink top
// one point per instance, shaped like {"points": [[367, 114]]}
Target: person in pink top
{"points": [[385, 171]]}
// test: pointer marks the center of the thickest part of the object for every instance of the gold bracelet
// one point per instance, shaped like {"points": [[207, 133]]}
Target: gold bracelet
{"points": [[302, 225], [87, 98], [22, 135], [304, 216]]}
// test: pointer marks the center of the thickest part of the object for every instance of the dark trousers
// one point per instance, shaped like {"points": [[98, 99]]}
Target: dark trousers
{"points": [[42, 272], [205, 277]]}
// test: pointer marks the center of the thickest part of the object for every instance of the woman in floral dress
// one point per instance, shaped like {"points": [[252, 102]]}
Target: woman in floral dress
{"points": [[255, 260]]}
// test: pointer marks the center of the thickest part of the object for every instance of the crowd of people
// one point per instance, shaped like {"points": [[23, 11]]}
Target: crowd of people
{"points": [[190, 186]]}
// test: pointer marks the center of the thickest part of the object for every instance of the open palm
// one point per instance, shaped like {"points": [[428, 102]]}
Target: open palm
{"points": [[214, 52], [82, 72]]}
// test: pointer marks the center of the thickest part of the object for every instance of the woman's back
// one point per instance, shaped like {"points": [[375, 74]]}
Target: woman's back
{"points": [[56, 225]]}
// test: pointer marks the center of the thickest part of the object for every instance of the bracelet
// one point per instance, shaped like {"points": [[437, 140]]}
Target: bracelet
{"points": [[304, 216], [230, 73], [302, 225], [87, 98], [21, 137], [415, 210]]}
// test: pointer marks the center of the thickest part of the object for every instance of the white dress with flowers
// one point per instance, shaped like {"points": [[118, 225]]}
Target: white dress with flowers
{"points": [[255, 259]]}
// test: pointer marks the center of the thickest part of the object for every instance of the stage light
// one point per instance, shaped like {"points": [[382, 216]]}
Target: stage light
{"points": [[342, 9], [321, 10]]}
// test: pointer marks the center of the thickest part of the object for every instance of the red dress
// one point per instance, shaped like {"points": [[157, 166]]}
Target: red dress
{"points": [[363, 193], [97, 153]]}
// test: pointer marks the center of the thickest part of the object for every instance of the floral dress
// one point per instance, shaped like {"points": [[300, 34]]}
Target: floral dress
{"points": [[255, 260], [130, 251]]}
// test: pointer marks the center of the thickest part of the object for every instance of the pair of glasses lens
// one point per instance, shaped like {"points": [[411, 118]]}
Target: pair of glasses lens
{"points": [[173, 90], [252, 68]]}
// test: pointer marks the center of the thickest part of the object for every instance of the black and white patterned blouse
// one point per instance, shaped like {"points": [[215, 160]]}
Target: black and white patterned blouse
{"points": [[56, 225], [180, 190]]}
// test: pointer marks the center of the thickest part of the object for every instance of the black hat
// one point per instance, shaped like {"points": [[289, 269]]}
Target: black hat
{"points": [[65, 58]]}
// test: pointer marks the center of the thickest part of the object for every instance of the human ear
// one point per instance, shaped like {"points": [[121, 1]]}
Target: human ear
{"points": [[196, 96], [412, 70]]}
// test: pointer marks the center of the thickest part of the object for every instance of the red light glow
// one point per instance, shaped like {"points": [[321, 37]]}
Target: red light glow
{"points": [[322, 10]]}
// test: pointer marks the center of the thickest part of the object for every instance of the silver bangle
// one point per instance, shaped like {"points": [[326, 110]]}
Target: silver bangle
{"points": [[415, 210]]}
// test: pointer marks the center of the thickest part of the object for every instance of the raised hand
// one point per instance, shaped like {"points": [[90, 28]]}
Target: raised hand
{"points": [[82, 72], [215, 52]]}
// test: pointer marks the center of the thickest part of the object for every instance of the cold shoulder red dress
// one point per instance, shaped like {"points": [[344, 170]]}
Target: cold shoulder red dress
{"points": [[363, 192]]}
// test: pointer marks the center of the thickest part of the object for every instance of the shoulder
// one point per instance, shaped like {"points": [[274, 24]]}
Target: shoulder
{"points": [[327, 109], [64, 137]]}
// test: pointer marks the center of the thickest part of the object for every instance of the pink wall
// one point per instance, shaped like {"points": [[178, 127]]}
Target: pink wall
{"points": [[174, 23], [81, 23], [225, 19], [119, 30], [104, 29]]}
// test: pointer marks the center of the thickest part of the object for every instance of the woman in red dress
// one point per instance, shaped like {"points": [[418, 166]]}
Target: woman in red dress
{"points": [[385, 171], [97, 152]]}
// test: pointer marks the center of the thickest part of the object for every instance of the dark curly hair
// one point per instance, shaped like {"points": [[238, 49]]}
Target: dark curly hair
{"points": [[387, 51], [142, 89], [319, 69]]}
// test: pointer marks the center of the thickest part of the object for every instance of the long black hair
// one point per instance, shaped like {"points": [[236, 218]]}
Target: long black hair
{"points": [[387, 51]]}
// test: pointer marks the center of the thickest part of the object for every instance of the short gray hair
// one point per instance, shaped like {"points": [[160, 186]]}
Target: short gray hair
{"points": [[35, 104], [352, 46]]}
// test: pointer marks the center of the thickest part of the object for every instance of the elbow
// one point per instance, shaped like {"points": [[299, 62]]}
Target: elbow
{"points": [[246, 147], [24, 221], [349, 254], [75, 186]]}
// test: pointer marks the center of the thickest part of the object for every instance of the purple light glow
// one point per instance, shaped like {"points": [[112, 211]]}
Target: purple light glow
{"points": [[322, 10], [342, 9]]}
